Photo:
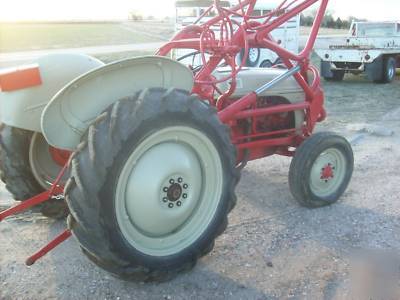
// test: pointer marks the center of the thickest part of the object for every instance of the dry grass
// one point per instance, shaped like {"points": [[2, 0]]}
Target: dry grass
{"points": [[34, 36]]}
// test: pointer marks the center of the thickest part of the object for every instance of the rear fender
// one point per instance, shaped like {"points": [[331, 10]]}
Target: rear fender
{"points": [[68, 115], [22, 106]]}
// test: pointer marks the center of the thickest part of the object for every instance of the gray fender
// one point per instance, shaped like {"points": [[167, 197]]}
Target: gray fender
{"points": [[23, 108], [68, 115]]}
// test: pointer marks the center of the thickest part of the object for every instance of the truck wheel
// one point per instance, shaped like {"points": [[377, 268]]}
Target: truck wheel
{"points": [[23, 177], [266, 64], [338, 75], [253, 57], [152, 184], [321, 170], [389, 70]]}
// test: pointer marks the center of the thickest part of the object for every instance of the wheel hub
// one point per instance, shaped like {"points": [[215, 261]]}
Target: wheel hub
{"points": [[175, 194], [328, 172]]}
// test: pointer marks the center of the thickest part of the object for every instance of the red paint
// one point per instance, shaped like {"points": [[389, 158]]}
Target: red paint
{"points": [[271, 110], [24, 205], [59, 156], [56, 189], [327, 172], [50, 246], [224, 48], [20, 78]]}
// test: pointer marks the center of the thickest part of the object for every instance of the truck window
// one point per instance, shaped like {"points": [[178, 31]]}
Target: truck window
{"points": [[185, 12], [211, 13], [256, 13], [371, 29]]}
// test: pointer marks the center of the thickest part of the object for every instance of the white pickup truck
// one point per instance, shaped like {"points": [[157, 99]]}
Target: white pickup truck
{"points": [[371, 47]]}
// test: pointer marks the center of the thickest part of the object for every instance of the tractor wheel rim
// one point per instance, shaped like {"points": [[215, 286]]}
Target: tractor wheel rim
{"points": [[253, 54], [328, 172], [168, 190], [44, 168]]}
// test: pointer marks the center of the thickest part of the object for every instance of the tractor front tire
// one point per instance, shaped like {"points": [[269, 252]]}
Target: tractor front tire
{"points": [[321, 170], [151, 185], [16, 170]]}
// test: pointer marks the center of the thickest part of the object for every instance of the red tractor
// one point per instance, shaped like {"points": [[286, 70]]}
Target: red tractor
{"points": [[144, 154]]}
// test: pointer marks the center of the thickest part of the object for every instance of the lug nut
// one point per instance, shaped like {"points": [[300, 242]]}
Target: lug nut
{"points": [[185, 186], [179, 203], [171, 181], [165, 189], [180, 179], [184, 196], [171, 205], [165, 200]]}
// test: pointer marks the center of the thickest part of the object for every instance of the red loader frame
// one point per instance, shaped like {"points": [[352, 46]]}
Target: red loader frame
{"points": [[251, 33], [243, 115]]}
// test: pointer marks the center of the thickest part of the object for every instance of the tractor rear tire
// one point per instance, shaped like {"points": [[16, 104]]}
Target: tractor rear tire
{"points": [[151, 185], [321, 170], [16, 171]]}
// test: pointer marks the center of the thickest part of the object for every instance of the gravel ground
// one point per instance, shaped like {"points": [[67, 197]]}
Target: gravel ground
{"points": [[273, 248]]}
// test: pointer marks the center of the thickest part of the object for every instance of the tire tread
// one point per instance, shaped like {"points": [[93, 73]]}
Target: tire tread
{"points": [[105, 138]]}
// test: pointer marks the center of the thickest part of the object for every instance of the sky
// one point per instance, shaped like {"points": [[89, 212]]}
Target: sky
{"points": [[15, 10]]}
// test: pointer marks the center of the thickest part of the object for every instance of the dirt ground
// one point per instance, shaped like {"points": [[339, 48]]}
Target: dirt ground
{"points": [[273, 248]]}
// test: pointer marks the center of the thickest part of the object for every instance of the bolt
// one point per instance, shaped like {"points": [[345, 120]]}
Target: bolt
{"points": [[184, 196], [171, 181], [165, 189], [165, 200], [171, 205], [180, 179], [185, 186], [179, 203]]}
